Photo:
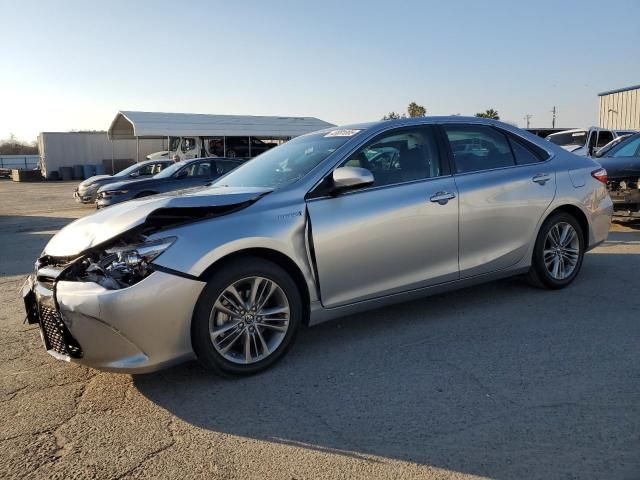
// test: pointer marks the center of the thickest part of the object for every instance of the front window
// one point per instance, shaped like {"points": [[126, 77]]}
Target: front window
{"points": [[579, 139], [399, 156], [288, 163]]}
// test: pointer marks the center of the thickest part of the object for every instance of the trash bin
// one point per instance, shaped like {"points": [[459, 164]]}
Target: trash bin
{"points": [[54, 175], [78, 172], [66, 173], [88, 171], [100, 170]]}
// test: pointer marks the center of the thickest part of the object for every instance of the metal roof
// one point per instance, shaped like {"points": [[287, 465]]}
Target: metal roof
{"points": [[618, 90], [129, 125]]}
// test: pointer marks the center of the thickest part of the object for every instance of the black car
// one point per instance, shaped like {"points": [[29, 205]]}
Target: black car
{"points": [[87, 191], [622, 163], [188, 173]]}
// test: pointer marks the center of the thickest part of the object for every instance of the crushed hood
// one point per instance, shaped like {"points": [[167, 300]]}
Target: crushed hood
{"points": [[104, 225], [92, 180]]}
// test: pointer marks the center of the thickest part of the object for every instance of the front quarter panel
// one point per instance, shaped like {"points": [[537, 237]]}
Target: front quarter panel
{"points": [[280, 228]]}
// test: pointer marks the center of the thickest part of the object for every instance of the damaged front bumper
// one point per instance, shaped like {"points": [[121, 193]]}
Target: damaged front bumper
{"points": [[141, 328]]}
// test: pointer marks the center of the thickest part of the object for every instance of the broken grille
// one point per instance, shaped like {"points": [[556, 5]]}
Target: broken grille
{"points": [[57, 335]]}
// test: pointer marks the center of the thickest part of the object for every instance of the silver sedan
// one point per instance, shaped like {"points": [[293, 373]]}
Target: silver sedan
{"points": [[331, 223]]}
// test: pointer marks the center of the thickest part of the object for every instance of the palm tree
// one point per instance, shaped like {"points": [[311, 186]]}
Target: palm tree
{"points": [[491, 113]]}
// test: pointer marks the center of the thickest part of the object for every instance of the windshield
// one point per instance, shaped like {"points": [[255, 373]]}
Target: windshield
{"points": [[630, 147], [610, 145], [127, 171], [569, 138], [167, 172], [284, 165]]}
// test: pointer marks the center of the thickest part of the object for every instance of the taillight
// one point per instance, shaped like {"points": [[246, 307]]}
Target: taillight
{"points": [[600, 175]]}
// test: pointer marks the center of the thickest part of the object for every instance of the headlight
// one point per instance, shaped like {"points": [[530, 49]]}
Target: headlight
{"points": [[133, 255], [121, 267], [115, 192]]}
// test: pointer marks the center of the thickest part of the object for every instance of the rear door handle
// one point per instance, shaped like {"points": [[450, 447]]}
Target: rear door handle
{"points": [[541, 178], [442, 197]]}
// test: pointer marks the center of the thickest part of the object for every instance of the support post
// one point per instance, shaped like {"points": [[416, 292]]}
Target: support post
{"points": [[113, 160]]}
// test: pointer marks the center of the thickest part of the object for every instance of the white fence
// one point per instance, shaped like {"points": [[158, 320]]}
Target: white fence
{"points": [[21, 162]]}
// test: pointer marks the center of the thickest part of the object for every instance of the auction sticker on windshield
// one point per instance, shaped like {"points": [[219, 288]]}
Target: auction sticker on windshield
{"points": [[345, 132]]}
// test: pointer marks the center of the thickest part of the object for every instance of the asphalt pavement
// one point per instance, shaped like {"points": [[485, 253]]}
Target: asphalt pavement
{"points": [[500, 380]]}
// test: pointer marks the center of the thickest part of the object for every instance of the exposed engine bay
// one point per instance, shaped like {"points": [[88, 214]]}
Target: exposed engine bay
{"points": [[625, 195]]}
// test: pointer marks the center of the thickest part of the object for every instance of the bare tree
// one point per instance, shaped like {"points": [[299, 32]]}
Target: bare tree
{"points": [[13, 146]]}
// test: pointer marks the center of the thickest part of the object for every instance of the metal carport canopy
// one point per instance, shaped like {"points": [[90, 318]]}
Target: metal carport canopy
{"points": [[131, 125]]}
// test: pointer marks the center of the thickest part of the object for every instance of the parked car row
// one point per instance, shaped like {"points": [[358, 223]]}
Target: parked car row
{"points": [[328, 224], [152, 177]]}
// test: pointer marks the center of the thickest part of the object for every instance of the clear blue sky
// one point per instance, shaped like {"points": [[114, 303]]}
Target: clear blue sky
{"points": [[74, 64]]}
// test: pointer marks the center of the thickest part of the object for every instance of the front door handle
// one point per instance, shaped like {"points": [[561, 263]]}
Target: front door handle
{"points": [[541, 178], [442, 197]]}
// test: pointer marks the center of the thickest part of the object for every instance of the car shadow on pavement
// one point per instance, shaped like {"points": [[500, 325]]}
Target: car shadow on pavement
{"points": [[23, 238], [500, 380]]}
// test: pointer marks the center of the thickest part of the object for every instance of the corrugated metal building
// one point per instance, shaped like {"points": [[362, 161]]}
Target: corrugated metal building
{"points": [[66, 149], [620, 108]]}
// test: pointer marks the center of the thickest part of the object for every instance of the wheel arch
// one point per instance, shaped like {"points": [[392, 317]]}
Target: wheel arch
{"points": [[578, 214], [274, 256]]}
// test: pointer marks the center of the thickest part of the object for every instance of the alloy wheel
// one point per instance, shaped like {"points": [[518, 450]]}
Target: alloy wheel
{"points": [[561, 250], [249, 320]]}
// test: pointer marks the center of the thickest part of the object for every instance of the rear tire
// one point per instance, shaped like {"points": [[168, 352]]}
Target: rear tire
{"points": [[266, 317], [558, 253]]}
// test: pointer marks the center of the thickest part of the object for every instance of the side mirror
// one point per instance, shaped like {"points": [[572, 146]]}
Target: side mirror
{"points": [[348, 178], [182, 173], [134, 174]]}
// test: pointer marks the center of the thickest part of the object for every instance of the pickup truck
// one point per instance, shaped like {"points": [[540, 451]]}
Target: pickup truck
{"points": [[585, 142]]}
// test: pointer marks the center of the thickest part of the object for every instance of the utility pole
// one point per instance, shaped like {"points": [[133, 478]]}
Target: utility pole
{"points": [[553, 120], [527, 118]]}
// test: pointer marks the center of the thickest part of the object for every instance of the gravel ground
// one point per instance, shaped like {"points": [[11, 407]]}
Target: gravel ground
{"points": [[499, 381]]}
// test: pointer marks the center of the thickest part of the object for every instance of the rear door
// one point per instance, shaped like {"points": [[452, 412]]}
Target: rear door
{"points": [[399, 234], [505, 186]]}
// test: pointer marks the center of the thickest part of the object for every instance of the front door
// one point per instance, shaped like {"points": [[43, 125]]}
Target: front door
{"points": [[399, 234], [505, 187]]}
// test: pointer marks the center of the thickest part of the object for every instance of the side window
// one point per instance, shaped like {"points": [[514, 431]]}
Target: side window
{"points": [[604, 137], [399, 156], [223, 167], [146, 170], [478, 147], [188, 144], [199, 169], [523, 155]]}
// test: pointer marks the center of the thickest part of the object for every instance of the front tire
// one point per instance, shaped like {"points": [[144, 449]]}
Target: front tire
{"points": [[246, 317], [558, 253]]}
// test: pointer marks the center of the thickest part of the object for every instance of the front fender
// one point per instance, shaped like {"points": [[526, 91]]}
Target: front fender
{"points": [[199, 245]]}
